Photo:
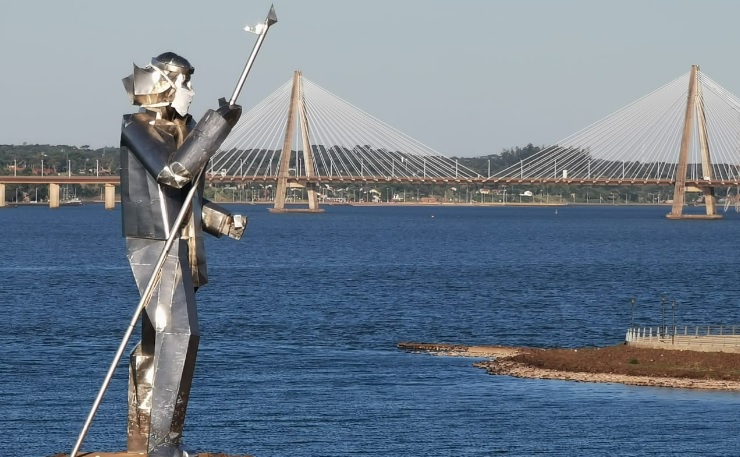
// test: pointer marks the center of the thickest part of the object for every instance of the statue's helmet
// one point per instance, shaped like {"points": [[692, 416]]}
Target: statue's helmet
{"points": [[164, 82]]}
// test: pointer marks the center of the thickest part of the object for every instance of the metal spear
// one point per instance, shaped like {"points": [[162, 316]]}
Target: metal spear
{"points": [[261, 30]]}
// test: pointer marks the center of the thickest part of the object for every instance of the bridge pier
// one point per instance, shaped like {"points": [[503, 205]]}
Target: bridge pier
{"points": [[110, 196], [284, 181], [694, 108], [710, 202], [53, 195], [313, 198], [2, 196]]}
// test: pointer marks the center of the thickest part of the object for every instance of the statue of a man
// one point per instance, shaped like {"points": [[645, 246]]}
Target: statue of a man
{"points": [[163, 154]]}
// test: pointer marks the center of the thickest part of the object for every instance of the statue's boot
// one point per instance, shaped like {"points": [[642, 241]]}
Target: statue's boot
{"points": [[139, 400]]}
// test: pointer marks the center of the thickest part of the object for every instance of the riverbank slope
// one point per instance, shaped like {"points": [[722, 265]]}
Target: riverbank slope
{"points": [[614, 364]]}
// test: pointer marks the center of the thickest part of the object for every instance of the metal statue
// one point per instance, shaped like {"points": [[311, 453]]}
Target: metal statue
{"points": [[163, 154]]}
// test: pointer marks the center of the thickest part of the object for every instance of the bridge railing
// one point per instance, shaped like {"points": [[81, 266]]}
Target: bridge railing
{"points": [[700, 337]]}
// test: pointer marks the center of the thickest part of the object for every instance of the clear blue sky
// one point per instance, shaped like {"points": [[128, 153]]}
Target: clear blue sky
{"points": [[465, 77]]}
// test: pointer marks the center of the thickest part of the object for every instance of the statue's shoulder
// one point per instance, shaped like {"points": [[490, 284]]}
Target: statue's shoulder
{"points": [[138, 118]]}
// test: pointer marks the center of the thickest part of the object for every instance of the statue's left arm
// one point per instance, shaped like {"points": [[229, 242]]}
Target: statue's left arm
{"points": [[218, 221]]}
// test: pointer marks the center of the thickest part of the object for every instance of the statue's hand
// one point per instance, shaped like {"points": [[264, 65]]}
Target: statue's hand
{"points": [[172, 179], [230, 113], [237, 225]]}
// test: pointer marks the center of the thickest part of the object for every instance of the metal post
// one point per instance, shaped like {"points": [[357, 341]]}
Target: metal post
{"points": [[673, 333], [633, 301], [662, 314]]}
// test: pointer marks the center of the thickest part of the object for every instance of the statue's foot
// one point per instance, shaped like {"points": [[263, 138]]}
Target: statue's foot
{"points": [[171, 452]]}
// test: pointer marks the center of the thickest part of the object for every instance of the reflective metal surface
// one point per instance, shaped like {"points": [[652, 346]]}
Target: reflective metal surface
{"points": [[161, 154]]}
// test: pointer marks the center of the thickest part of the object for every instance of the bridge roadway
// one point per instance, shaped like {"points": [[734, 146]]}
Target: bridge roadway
{"points": [[54, 181], [110, 182], [238, 179], [699, 183], [60, 179]]}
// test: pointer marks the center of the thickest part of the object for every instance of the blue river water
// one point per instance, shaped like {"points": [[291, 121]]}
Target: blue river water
{"points": [[301, 319]]}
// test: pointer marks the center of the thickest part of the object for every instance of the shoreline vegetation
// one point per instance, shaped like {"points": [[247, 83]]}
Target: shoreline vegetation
{"points": [[621, 364]]}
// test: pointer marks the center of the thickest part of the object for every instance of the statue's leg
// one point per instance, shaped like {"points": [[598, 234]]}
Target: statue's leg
{"points": [[139, 400], [166, 356], [141, 368]]}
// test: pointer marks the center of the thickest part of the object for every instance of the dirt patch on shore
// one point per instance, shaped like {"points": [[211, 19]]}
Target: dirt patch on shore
{"points": [[136, 454], [616, 364]]}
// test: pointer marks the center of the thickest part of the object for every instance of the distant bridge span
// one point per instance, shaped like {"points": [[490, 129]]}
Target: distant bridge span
{"points": [[60, 179], [54, 181], [431, 180], [685, 134], [302, 180]]}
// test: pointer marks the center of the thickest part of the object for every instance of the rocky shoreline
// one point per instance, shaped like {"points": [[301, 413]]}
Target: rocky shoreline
{"points": [[136, 454], [503, 360]]}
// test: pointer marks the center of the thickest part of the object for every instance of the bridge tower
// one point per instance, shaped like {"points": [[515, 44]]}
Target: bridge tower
{"points": [[296, 113], [695, 119]]}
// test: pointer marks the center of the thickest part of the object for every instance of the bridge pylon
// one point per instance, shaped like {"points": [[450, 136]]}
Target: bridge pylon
{"points": [[296, 113], [695, 119]]}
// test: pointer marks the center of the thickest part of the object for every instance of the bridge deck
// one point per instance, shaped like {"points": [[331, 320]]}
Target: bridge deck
{"points": [[493, 180]]}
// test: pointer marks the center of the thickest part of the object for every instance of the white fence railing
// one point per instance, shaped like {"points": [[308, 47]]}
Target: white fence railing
{"points": [[686, 335]]}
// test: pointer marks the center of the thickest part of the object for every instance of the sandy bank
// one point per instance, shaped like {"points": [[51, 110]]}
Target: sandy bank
{"points": [[501, 361]]}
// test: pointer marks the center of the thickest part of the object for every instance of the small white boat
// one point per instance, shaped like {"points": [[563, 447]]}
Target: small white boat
{"points": [[72, 201]]}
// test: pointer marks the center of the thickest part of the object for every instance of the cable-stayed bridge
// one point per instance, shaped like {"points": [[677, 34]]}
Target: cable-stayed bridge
{"points": [[328, 141], [685, 134]]}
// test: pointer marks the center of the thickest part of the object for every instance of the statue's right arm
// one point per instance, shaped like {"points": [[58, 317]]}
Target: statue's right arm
{"points": [[200, 145]]}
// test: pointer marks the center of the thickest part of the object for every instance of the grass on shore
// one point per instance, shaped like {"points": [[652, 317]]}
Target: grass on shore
{"points": [[629, 360]]}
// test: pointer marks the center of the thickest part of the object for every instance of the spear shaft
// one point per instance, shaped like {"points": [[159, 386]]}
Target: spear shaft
{"points": [[263, 28]]}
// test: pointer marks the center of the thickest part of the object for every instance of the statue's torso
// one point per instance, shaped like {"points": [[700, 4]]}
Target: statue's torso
{"points": [[149, 208]]}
